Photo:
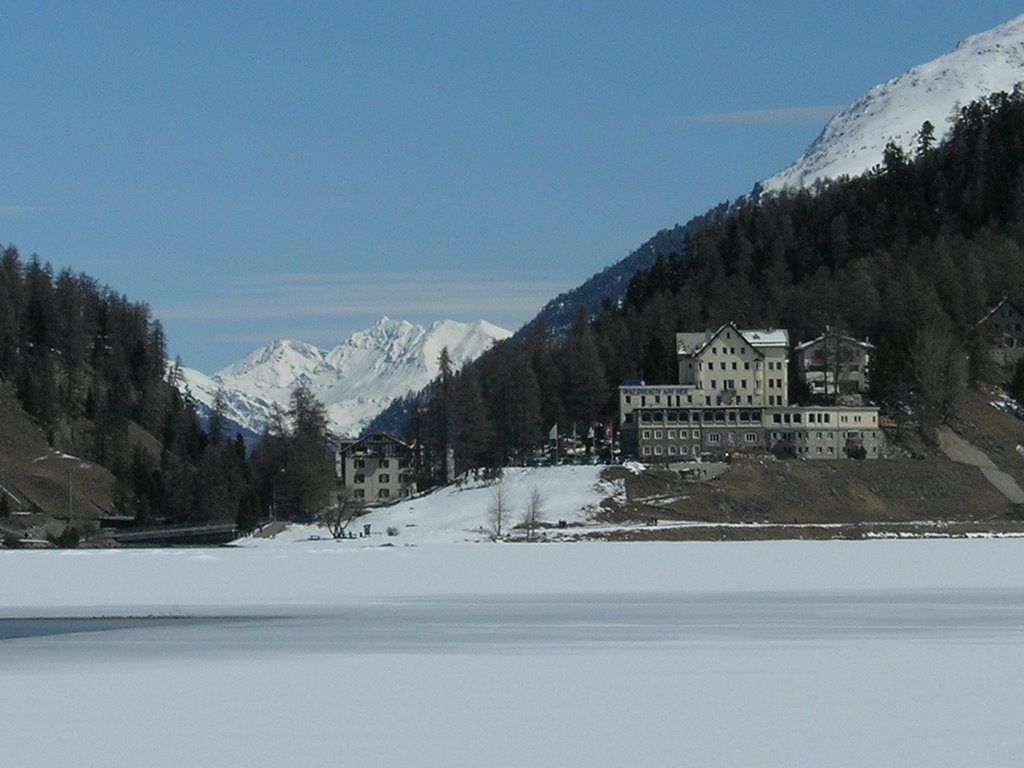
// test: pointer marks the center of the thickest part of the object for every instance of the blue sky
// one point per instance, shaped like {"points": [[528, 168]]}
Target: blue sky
{"points": [[261, 170]]}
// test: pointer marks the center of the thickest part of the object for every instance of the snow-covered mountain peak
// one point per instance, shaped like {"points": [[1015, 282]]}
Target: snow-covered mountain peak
{"points": [[853, 140], [355, 380]]}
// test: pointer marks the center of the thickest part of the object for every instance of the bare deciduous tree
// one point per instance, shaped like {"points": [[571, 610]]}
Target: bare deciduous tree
{"points": [[336, 518], [499, 510], [533, 511]]}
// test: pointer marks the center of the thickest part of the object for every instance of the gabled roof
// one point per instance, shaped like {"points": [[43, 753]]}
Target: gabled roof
{"points": [[858, 342], [767, 337], [374, 438], [693, 343]]}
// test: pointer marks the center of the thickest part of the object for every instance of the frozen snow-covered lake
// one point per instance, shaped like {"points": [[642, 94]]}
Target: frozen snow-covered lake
{"points": [[784, 653]]}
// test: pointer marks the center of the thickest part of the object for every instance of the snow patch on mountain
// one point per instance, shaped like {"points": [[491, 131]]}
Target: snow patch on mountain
{"points": [[355, 380], [852, 142]]}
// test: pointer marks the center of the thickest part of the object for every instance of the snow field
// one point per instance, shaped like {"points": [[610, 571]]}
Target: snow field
{"points": [[714, 654]]}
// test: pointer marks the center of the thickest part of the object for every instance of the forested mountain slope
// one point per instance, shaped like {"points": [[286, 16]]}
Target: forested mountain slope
{"points": [[911, 255]]}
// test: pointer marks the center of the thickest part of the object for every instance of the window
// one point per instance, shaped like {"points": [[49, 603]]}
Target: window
{"points": [[777, 418], [384, 478], [714, 438], [645, 434], [671, 434], [359, 493], [696, 434], [385, 463], [684, 449], [657, 450], [383, 493], [657, 434], [721, 366], [360, 463], [647, 450], [672, 450], [750, 437], [360, 477]]}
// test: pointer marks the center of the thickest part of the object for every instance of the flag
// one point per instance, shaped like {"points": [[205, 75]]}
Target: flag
{"points": [[553, 434]]}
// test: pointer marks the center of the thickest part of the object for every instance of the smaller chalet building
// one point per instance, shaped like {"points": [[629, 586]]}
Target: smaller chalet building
{"points": [[1003, 328], [376, 469], [833, 364], [733, 395]]}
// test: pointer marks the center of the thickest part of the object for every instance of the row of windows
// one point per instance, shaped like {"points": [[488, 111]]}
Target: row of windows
{"points": [[731, 350], [384, 463], [720, 416], [383, 477], [748, 437], [383, 493], [855, 435], [682, 434], [722, 366]]}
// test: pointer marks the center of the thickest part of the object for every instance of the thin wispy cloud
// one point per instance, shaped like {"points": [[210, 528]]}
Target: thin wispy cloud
{"points": [[17, 210], [352, 295], [775, 115]]}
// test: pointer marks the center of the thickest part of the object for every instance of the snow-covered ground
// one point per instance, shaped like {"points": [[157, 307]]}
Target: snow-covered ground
{"points": [[714, 654], [463, 512]]}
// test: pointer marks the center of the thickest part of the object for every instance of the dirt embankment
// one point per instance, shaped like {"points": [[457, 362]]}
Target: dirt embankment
{"points": [[39, 480], [792, 498]]}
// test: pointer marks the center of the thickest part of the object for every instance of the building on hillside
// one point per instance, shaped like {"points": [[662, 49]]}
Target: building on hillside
{"points": [[1003, 328], [735, 367], [376, 469], [834, 364], [733, 395]]}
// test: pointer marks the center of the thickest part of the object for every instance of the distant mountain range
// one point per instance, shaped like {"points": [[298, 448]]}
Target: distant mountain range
{"points": [[355, 380]]}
